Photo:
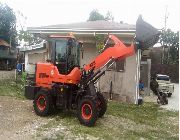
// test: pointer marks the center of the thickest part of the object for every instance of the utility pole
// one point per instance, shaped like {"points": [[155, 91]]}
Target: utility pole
{"points": [[165, 25]]}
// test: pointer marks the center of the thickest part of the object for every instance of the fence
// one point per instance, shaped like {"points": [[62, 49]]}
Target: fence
{"points": [[171, 70], [4, 75]]}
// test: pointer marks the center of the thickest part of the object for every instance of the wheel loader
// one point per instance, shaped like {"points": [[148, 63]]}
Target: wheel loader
{"points": [[62, 84]]}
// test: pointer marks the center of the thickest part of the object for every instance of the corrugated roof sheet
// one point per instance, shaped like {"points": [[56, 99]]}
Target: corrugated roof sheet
{"points": [[91, 25]]}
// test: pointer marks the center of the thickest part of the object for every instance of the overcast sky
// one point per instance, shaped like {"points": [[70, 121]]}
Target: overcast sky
{"points": [[49, 12]]}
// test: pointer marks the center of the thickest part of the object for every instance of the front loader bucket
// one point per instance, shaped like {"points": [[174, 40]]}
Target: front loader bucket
{"points": [[146, 34]]}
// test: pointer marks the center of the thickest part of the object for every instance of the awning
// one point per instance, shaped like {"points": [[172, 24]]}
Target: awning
{"points": [[4, 43]]}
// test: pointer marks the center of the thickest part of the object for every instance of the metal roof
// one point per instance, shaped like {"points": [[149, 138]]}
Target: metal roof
{"points": [[99, 26], [32, 47]]}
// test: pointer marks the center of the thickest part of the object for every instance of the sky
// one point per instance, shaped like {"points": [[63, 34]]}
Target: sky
{"points": [[51, 12]]}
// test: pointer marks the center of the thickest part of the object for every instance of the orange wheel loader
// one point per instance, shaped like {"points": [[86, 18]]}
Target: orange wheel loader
{"points": [[61, 83]]}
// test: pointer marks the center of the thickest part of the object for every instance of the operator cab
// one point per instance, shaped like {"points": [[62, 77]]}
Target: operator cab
{"points": [[65, 53]]}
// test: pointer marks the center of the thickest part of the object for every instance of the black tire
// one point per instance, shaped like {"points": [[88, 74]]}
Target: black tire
{"points": [[42, 103], [169, 94], [161, 100], [166, 101], [102, 105], [87, 111]]}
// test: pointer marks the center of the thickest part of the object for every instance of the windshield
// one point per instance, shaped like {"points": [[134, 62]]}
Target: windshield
{"points": [[73, 54], [67, 55], [61, 50]]}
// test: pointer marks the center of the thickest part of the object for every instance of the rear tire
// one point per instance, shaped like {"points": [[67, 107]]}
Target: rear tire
{"points": [[169, 94], [102, 105], [87, 111], [42, 103]]}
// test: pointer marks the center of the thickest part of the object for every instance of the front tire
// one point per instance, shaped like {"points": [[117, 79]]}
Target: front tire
{"points": [[42, 103], [102, 105], [87, 111]]}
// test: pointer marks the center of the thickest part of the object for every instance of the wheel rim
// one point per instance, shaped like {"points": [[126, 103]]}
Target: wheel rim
{"points": [[41, 103], [86, 111]]}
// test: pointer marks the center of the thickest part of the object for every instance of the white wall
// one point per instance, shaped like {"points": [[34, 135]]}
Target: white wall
{"points": [[29, 66], [123, 83], [89, 53]]}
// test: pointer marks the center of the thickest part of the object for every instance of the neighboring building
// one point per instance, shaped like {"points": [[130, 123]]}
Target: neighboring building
{"points": [[151, 56], [122, 79], [32, 55], [7, 56], [145, 70]]}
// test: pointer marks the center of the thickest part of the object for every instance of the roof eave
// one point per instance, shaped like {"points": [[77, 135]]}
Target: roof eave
{"points": [[79, 31]]}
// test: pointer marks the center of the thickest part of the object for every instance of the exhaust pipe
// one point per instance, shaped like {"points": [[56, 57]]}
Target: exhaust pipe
{"points": [[146, 34]]}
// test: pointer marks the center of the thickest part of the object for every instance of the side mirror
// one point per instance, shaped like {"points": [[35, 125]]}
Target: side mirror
{"points": [[70, 42]]}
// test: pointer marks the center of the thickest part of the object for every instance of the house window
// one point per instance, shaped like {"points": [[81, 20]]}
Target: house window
{"points": [[110, 67], [141, 67], [118, 66]]}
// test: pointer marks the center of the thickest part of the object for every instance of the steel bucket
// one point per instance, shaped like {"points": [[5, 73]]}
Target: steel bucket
{"points": [[146, 34]]}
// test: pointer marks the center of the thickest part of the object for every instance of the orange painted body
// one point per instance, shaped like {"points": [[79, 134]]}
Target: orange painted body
{"points": [[47, 74], [118, 51]]}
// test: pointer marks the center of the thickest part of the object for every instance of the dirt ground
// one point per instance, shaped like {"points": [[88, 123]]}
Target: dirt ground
{"points": [[17, 120]]}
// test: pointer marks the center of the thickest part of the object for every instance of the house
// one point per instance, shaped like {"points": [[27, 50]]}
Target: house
{"points": [[32, 55], [121, 80], [7, 56]]}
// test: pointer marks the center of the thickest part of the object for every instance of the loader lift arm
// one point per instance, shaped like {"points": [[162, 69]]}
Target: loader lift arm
{"points": [[118, 51]]}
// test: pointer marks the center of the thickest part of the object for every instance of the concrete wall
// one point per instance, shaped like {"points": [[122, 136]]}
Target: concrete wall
{"points": [[7, 75], [123, 83], [29, 66], [88, 54], [145, 75]]}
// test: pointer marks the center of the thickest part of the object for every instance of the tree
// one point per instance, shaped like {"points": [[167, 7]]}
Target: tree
{"points": [[95, 15], [8, 24], [23, 34], [170, 41], [30, 39], [109, 16]]}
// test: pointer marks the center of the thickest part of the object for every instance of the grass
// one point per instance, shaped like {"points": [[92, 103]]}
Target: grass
{"points": [[14, 88], [123, 121]]}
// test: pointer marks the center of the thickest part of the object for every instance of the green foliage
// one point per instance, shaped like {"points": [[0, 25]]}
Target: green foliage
{"points": [[29, 38], [12, 88], [170, 41], [7, 24], [23, 34], [125, 121], [109, 16], [99, 41], [95, 15]]}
